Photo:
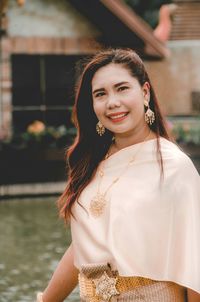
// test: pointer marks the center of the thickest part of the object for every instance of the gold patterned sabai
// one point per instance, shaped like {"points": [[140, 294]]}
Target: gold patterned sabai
{"points": [[104, 285]]}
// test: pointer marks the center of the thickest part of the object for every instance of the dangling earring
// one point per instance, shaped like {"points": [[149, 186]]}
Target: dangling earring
{"points": [[149, 114], [100, 128]]}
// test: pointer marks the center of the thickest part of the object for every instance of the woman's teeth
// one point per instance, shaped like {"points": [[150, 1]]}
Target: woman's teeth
{"points": [[118, 116]]}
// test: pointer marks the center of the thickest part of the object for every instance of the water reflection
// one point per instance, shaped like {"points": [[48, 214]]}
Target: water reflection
{"points": [[32, 241]]}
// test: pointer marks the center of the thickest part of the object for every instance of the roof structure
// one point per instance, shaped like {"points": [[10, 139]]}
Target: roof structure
{"points": [[121, 26]]}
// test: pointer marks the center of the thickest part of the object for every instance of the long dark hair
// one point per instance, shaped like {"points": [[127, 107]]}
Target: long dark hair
{"points": [[89, 148]]}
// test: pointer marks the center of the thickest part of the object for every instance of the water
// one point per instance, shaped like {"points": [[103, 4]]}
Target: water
{"points": [[32, 241]]}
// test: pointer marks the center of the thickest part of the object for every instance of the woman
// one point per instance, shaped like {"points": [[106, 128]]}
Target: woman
{"points": [[133, 198]]}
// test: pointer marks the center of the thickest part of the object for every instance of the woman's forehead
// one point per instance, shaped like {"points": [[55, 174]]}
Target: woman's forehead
{"points": [[111, 74]]}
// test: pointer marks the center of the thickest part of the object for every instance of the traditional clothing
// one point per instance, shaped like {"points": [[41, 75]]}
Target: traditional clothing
{"points": [[150, 227]]}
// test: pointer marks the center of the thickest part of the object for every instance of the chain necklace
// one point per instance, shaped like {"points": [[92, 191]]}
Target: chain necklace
{"points": [[98, 202]]}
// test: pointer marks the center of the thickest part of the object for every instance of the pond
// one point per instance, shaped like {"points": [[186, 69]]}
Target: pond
{"points": [[33, 239]]}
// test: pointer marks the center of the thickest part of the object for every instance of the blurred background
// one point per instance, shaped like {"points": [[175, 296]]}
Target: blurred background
{"points": [[43, 44]]}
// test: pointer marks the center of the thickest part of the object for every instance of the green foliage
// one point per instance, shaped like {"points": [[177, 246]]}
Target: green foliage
{"points": [[186, 130], [148, 10], [49, 137]]}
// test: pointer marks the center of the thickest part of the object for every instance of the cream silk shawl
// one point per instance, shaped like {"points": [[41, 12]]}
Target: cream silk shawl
{"points": [[148, 229]]}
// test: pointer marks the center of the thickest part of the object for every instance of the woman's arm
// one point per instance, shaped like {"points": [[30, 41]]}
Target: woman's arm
{"points": [[64, 279], [193, 296]]}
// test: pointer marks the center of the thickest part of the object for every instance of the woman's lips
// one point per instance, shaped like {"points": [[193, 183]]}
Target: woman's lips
{"points": [[118, 117]]}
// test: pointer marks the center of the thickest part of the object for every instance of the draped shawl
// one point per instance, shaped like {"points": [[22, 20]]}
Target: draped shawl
{"points": [[150, 226]]}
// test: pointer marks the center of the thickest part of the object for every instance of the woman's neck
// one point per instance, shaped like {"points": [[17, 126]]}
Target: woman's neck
{"points": [[123, 141]]}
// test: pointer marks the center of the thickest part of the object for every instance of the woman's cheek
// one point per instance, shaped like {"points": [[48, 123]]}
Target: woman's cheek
{"points": [[97, 110]]}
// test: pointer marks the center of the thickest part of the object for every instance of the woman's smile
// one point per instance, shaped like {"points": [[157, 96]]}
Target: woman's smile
{"points": [[118, 116]]}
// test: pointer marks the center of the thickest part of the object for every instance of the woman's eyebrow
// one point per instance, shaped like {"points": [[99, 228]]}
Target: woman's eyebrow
{"points": [[115, 85], [98, 90], [121, 83]]}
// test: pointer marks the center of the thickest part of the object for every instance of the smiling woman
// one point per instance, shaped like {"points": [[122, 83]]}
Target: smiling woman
{"points": [[118, 100], [132, 198]]}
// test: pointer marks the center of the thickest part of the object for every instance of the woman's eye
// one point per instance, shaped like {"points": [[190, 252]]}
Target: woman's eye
{"points": [[99, 94], [123, 88]]}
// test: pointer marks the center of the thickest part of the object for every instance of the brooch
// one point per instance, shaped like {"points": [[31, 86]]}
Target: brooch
{"points": [[106, 287]]}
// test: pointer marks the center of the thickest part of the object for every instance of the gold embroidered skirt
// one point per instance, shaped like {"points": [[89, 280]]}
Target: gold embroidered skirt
{"points": [[99, 283]]}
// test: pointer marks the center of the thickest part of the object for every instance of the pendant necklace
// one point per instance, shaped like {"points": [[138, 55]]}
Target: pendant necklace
{"points": [[98, 202]]}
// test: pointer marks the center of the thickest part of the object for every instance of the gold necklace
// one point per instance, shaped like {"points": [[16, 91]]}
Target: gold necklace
{"points": [[98, 202]]}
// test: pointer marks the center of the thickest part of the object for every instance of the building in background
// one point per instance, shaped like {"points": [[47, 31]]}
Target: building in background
{"points": [[177, 79], [41, 43]]}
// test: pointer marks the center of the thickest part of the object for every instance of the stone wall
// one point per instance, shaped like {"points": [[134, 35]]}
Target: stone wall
{"points": [[5, 89], [48, 18]]}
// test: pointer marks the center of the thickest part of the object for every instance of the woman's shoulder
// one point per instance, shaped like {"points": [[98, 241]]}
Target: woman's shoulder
{"points": [[173, 153]]}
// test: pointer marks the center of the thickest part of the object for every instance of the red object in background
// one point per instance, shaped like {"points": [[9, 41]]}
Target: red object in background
{"points": [[20, 2], [163, 29]]}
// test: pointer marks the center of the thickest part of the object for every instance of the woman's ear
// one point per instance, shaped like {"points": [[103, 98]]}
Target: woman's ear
{"points": [[146, 91]]}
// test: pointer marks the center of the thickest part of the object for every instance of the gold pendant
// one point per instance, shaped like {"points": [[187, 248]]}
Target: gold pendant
{"points": [[97, 205]]}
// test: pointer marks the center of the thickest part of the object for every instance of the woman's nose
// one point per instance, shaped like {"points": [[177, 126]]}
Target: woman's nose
{"points": [[113, 101]]}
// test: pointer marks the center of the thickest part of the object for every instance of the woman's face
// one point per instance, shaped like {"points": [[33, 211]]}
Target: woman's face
{"points": [[118, 99]]}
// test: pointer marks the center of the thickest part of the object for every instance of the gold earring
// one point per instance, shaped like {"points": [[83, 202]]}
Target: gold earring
{"points": [[149, 114], [100, 128]]}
